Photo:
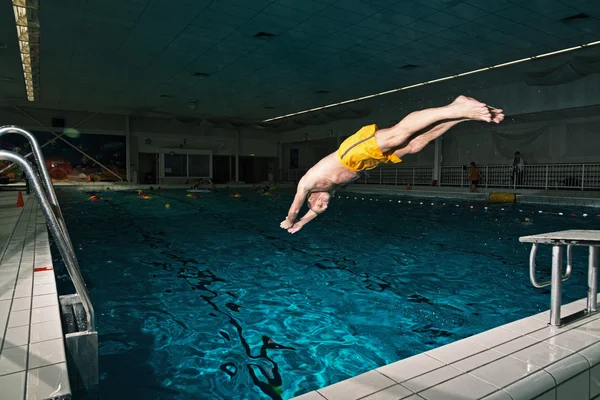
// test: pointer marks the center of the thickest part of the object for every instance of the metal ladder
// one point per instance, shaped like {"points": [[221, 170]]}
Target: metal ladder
{"points": [[77, 311]]}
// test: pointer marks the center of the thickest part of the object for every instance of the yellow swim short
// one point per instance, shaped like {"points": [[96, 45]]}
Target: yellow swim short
{"points": [[360, 151]]}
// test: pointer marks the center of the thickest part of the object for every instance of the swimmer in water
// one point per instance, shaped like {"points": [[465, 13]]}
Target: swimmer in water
{"points": [[370, 147]]}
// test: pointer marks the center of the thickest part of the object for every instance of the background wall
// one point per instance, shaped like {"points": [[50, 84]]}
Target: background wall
{"points": [[548, 123], [148, 135], [562, 140], [308, 152]]}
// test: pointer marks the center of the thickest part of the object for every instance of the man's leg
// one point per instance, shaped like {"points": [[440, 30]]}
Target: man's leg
{"points": [[461, 108], [418, 143]]}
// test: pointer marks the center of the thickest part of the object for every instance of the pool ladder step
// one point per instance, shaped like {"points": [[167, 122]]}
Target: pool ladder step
{"points": [[81, 347], [72, 314]]}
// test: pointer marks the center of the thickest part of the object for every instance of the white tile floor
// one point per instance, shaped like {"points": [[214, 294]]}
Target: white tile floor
{"points": [[32, 352], [523, 360]]}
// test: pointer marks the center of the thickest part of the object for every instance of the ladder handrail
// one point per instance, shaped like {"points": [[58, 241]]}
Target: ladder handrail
{"points": [[533, 265], [45, 178], [39, 158], [56, 228], [41, 166]]}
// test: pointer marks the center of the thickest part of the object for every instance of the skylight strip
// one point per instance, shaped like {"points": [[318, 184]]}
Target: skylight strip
{"points": [[25, 12]]}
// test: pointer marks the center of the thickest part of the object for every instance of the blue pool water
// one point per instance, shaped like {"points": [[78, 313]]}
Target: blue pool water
{"points": [[210, 299]]}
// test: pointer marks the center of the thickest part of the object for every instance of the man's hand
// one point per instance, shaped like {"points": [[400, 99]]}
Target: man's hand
{"points": [[309, 216], [296, 228], [317, 203], [286, 223], [299, 199]]}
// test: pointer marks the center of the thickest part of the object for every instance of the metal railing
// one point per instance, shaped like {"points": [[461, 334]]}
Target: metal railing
{"points": [[44, 192], [558, 241], [537, 176]]}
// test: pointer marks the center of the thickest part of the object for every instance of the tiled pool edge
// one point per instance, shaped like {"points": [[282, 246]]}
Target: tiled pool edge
{"points": [[558, 201], [562, 199], [32, 358], [522, 360]]}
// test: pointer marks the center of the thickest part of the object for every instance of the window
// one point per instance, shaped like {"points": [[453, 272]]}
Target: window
{"points": [[199, 165], [176, 165], [186, 163]]}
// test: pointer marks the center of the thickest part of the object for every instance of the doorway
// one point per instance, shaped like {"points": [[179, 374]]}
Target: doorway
{"points": [[221, 169], [256, 169], [148, 173]]}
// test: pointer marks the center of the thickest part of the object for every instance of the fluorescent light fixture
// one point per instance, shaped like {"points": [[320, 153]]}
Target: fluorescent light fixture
{"points": [[28, 33], [476, 71], [433, 81], [441, 79]]}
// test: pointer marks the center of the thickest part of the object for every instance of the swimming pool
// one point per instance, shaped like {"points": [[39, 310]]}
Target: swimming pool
{"points": [[210, 299]]}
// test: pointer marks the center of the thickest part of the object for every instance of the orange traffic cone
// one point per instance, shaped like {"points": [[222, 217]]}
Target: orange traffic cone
{"points": [[20, 202], [89, 178]]}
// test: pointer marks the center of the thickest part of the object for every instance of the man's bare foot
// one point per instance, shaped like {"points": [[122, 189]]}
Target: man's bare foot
{"points": [[497, 115], [466, 107]]}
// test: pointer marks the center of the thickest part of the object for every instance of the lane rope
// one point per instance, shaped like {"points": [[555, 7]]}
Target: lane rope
{"points": [[485, 208]]}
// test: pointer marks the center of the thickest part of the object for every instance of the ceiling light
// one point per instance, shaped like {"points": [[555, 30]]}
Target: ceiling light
{"points": [[409, 67], [575, 17], [264, 35], [433, 81], [27, 22]]}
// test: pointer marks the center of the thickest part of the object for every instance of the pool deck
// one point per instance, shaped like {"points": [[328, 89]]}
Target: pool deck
{"points": [[32, 351], [522, 360]]}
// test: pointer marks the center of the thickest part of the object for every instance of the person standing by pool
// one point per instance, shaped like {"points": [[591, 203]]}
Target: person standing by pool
{"points": [[518, 167], [475, 174], [370, 147]]}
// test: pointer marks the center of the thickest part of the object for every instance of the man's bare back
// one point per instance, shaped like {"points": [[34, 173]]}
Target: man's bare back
{"points": [[409, 136], [328, 175]]}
